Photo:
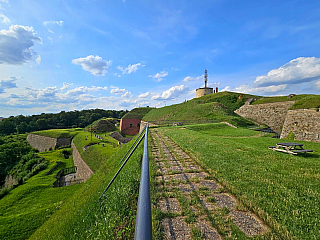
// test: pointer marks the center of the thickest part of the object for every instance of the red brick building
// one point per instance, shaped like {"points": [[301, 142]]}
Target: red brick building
{"points": [[130, 126]]}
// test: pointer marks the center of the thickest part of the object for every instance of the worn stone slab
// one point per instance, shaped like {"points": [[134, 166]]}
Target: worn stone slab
{"points": [[207, 205], [169, 205], [173, 163], [176, 228], [248, 223], [196, 175], [179, 176], [225, 200], [210, 184], [207, 231], [160, 164], [185, 187], [192, 167], [176, 169]]}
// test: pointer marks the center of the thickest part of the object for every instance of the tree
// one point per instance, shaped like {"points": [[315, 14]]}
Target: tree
{"points": [[22, 127]]}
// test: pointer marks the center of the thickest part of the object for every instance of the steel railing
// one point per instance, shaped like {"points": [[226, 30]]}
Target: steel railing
{"points": [[143, 228]]}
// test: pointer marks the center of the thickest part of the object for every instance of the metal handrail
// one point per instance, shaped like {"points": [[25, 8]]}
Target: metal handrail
{"points": [[143, 228]]}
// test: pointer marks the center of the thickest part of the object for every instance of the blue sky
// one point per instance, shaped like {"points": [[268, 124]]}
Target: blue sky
{"points": [[81, 54]]}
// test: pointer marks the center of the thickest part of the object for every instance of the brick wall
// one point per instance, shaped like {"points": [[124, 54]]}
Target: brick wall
{"points": [[130, 126]]}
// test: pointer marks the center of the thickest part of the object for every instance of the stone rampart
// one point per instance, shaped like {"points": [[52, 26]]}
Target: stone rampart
{"points": [[43, 143], [83, 170], [271, 114], [303, 123]]}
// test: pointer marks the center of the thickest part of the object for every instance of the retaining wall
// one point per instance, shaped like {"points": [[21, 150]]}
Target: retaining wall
{"points": [[303, 123], [272, 114], [43, 143], [83, 170]]}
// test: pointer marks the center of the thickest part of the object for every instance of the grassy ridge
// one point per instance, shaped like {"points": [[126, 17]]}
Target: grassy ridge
{"points": [[28, 206], [95, 155], [204, 108], [303, 101], [137, 113], [59, 133], [83, 217], [285, 187]]}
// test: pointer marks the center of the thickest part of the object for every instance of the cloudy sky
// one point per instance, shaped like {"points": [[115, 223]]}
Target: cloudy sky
{"points": [[80, 54]]}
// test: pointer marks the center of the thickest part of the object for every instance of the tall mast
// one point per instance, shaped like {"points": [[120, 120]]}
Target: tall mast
{"points": [[205, 78]]}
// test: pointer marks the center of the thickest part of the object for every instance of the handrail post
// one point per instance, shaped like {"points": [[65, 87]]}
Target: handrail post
{"points": [[143, 228]]}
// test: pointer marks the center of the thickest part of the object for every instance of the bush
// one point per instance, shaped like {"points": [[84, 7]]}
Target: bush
{"points": [[290, 136]]}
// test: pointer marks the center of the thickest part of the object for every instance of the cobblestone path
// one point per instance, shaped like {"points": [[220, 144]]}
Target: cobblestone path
{"points": [[191, 203]]}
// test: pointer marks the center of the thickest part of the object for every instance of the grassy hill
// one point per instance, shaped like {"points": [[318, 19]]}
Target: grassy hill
{"points": [[137, 113], [303, 101], [218, 106], [59, 133]]}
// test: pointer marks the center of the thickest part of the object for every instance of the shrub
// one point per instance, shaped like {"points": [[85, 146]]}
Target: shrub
{"points": [[290, 136]]}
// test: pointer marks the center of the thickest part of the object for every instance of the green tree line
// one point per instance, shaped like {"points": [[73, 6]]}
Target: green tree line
{"points": [[22, 124]]}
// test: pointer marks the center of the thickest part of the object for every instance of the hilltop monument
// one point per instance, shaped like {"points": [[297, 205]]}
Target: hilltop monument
{"points": [[206, 90]]}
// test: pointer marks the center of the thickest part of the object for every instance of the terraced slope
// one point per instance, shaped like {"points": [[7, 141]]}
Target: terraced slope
{"points": [[190, 204]]}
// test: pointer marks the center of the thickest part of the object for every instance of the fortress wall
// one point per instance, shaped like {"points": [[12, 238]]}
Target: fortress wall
{"points": [[304, 123], [203, 91], [41, 143], [272, 114], [83, 170]]}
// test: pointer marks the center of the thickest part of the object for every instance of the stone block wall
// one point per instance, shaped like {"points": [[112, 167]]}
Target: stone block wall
{"points": [[203, 91], [43, 143], [83, 170], [271, 114], [303, 123]]}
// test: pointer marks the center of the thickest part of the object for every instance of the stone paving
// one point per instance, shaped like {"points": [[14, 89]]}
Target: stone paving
{"points": [[179, 175]]}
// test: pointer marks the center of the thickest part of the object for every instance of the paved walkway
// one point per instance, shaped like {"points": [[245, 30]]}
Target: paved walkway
{"points": [[195, 206]]}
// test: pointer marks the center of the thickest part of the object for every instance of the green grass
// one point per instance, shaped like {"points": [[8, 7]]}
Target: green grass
{"points": [[137, 113], [95, 155], [84, 217], [222, 129], [283, 190], [303, 101], [28, 206], [198, 109], [59, 133]]}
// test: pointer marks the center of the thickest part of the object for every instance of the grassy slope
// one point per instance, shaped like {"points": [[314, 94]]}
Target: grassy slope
{"points": [[284, 186], [28, 206], [206, 107], [95, 155], [303, 101], [221, 129], [59, 133], [83, 217], [137, 113]]}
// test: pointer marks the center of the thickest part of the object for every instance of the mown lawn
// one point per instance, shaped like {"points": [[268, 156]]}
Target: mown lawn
{"points": [[222, 129], [29, 205], [283, 190]]}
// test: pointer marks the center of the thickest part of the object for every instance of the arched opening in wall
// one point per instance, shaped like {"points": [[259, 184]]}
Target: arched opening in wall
{"points": [[130, 125], [138, 125]]}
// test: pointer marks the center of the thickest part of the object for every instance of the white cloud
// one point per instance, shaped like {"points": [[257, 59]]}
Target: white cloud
{"points": [[299, 70], [127, 95], [159, 76], [66, 86], [257, 90], [188, 79], [16, 43], [93, 64], [318, 84], [38, 60], [144, 95], [117, 90], [171, 93], [59, 23], [81, 90], [5, 19], [130, 68]]}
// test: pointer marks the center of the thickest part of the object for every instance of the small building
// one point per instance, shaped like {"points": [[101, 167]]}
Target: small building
{"points": [[205, 90], [130, 126]]}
